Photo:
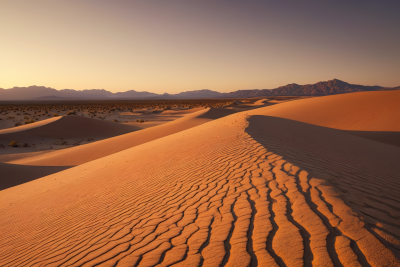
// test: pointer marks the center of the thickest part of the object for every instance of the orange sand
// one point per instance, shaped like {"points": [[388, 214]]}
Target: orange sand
{"points": [[85, 153], [371, 115], [29, 166], [259, 187]]}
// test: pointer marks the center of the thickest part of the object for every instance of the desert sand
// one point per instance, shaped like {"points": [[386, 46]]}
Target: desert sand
{"points": [[288, 184], [77, 129], [24, 167]]}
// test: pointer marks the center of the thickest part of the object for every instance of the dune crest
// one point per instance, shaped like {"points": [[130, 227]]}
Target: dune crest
{"points": [[28, 127], [370, 115], [364, 111], [66, 127]]}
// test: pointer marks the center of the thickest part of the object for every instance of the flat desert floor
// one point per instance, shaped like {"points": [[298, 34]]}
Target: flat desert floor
{"points": [[307, 182]]}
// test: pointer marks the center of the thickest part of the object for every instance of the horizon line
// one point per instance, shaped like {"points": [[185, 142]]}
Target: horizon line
{"points": [[107, 90]]}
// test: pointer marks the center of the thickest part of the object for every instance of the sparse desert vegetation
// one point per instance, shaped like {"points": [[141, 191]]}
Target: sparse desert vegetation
{"points": [[95, 107], [13, 144], [29, 121]]}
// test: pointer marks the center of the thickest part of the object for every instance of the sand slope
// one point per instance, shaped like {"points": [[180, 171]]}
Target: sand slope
{"points": [[365, 111], [361, 172], [85, 153], [27, 168], [28, 127], [66, 127], [237, 191], [371, 115], [12, 174]]}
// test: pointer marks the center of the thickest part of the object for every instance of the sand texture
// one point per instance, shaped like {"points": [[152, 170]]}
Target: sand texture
{"points": [[18, 168], [371, 115], [272, 186]]}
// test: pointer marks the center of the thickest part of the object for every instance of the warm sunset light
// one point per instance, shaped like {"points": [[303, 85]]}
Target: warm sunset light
{"points": [[174, 46], [218, 133]]}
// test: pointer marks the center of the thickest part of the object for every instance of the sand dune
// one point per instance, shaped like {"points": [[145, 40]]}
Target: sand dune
{"points": [[241, 106], [260, 102], [361, 172], [365, 111], [28, 127], [85, 153], [244, 190], [73, 156], [66, 127], [389, 137], [12, 174], [372, 115]]}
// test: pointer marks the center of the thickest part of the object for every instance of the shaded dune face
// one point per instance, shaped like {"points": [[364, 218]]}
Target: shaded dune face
{"points": [[371, 115], [28, 127], [67, 127], [364, 174], [365, 111], [221, 194], [12, 175], [387, 137]]}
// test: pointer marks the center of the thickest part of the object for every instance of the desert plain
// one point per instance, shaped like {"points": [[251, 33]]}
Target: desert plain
{"points": [[261, 182]]}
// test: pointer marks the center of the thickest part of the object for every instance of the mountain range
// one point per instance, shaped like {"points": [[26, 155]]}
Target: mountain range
{"points": [[331, 87]]}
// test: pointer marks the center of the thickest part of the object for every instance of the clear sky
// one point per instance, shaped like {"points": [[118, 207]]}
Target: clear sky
{"points": [[173, 46]]}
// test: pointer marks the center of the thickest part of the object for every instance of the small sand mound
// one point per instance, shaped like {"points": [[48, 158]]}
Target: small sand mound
{"points": [[260, 102]]}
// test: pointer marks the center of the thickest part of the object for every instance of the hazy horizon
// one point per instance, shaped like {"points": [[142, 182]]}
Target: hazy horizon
{"points": [[177, 92], [176, 46]]}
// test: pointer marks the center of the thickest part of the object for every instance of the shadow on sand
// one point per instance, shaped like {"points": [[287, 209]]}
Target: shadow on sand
{"points": [[311, 145], [13, 174], [391, 138], [364, 172]]}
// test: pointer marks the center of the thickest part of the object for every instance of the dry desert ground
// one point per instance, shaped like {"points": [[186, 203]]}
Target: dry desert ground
{"points": [[297, 182]]}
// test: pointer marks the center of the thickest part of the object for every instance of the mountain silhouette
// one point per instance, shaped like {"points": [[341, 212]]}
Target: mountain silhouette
{"points": [[330, 87]]}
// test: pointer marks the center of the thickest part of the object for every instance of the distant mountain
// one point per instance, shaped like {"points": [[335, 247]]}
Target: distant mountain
{"points": [[331, 87], [132, 94], [42, 92], [54, 97], [204, 93], [19, 93], [49, 97], [86, 94], [389, 88]]}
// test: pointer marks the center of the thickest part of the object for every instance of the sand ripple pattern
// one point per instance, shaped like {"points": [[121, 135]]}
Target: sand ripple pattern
{"points": [[234, 203]]}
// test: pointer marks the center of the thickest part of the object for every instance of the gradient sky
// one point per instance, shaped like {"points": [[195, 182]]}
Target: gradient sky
{"points": [[173, 46]]}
